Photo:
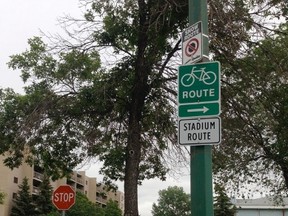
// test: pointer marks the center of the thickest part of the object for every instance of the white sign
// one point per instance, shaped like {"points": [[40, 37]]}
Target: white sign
{"points": [[192, 50], [201, 131]]}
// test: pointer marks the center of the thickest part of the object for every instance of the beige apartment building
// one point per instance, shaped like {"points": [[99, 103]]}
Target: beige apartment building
{"points": [[11, 179]]}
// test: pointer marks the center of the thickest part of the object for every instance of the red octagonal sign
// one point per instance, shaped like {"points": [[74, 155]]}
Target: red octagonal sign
{"points": [[63, 197]]}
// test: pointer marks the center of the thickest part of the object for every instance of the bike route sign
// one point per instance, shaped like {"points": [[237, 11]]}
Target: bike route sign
{"points": [[199, 90]]}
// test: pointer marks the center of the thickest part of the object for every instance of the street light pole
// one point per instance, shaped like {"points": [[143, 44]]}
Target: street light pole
{"points": [[201, 156]]}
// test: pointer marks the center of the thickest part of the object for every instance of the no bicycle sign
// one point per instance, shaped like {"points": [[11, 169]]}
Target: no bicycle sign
{"points": [[192, 44]]}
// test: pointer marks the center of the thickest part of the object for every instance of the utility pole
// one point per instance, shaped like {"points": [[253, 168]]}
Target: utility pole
{"points": [[201, 156]]}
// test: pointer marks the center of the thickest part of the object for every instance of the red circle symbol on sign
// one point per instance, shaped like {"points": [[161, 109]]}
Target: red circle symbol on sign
{"points": [[63, 197], [191, 47]]}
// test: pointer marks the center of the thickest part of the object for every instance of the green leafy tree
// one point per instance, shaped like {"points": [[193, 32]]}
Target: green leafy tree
{"points": [[255, 144], [2, 197], [23, 203], [72, 103], [172, 201], [122, 111], [43, 199], [84, 207], [112, 209], [54, 213], [222, 203]]}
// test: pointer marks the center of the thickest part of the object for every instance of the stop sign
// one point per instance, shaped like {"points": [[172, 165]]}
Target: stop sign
{"points": [[63, 197]]}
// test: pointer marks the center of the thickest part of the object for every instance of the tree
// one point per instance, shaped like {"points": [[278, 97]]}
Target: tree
{"points": [[54, 213], [2, 197], [172, 201], [43, 199], [112, 209], [222, 203], [255, 117], [72, 103], [122, 112], [23, 203], [84, 207]]}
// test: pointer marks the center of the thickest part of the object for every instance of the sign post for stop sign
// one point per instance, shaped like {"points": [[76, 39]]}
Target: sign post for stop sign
{"points": [[63, 197]]}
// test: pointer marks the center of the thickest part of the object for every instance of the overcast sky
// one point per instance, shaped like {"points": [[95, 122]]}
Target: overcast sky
{"points": [[23, 19]]}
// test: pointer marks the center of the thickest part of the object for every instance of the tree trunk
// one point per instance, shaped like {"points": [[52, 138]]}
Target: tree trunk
{"points": [[133, 154], [138, 95], [133, 150]]}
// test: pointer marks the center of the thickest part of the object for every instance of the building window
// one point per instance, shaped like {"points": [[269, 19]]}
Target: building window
{"points": [[14, 195], [104, 196], [15, 180]]}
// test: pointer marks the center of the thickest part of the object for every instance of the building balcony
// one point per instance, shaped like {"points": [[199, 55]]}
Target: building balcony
{"points": [[80, 181], [80, 190], [38, 176], [35, 190]]}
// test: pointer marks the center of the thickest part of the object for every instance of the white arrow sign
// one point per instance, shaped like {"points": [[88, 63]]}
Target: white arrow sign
{"points": [[204, 110]]}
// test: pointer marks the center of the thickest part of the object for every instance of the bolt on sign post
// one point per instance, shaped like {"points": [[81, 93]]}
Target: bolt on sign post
{"points": [[63, 198], [201, 156]]}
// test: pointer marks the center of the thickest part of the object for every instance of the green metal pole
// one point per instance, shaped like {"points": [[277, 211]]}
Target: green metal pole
{"points": [[198, 12], [201, 156], [201, 181]]}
